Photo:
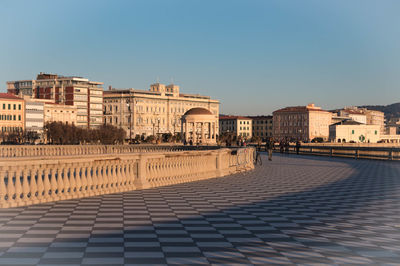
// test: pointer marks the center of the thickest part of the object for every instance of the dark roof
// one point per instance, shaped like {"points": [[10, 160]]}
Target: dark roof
{"points": [[260, 117], [198, 111], [9, 96], [299, 109], [233, 117], [347, 122]]}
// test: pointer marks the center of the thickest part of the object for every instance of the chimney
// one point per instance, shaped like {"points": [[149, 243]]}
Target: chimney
{"points": [[110, 88]]}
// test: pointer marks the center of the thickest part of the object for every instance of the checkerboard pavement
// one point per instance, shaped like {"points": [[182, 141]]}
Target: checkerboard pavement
{"points": [[293, 210]]}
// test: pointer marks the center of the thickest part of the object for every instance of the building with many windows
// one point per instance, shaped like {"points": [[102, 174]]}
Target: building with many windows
{"points": [[238, 125], [153, 112], [302, 123], [85, 95], [12, 113], [34, 115], [262, 126], [66, 114]]}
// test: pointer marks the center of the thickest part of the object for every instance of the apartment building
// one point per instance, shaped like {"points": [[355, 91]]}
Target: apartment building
{"points": [[301, 123], [12, 113], [34, 115], [66, 114], [85, 95], [262, 126], [238, 125], [154, 111]]}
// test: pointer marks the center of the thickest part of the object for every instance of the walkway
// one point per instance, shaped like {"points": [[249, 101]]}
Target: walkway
{"points": [[293, 210]]}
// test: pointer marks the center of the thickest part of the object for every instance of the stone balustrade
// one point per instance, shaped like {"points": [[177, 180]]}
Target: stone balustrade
{"points": [[7, 151], [25, 182]]}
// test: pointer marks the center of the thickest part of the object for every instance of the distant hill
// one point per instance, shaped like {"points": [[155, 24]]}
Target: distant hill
{"points": [[391, 110]]}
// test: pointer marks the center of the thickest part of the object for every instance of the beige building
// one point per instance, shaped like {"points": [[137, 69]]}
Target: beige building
{"points": [[364, 116], [238, 125], [301, 123], [353, 131], [85, 95], [200, 126], [262, 126], [12, 113], [353, 113], [375, 118], [66, 114], [152, 112]]}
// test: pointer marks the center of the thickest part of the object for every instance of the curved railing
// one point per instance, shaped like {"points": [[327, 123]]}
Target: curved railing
{"points": [[25, 182], [352, 151]]}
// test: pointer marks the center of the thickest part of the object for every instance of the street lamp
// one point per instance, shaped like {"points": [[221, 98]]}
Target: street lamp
{"points": [[128, 103]]}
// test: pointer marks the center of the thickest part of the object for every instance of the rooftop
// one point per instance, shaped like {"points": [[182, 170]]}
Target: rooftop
{"points": [[9, 96], [233, 117], [198, 111]]}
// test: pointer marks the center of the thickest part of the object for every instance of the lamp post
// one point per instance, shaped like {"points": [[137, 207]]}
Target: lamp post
{"points": [[128, 103]]}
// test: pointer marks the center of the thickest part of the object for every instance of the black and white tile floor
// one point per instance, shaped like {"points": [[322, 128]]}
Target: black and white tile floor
{"points": [[293, 210]]}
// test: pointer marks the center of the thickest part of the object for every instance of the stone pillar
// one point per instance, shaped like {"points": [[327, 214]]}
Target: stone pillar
{"points": [[203, 135], [186, 132], [194, 133], [141, 181], [214, 131]]}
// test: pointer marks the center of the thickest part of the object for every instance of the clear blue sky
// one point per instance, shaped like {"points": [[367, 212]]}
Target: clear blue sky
{"points": [[254, 56]]}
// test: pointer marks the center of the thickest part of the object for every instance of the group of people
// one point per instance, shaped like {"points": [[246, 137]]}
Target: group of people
{"points": [[283, 146]]}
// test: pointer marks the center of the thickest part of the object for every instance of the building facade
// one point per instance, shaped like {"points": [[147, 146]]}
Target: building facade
{"points": [[12, 113], [240, 126], [85, 95], [34, 115], [66, 114], [353, 131], [153, 112], [375, 118], [262, 126], [353, 113], [303, 123]]}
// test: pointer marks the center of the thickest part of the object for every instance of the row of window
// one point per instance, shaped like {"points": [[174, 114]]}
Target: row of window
{"points": [[14, 106], [261, 134], [262, 121], [261, 128], [10, 117], [11, 129]]}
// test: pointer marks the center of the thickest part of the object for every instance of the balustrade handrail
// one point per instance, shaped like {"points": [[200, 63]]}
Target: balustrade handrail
{"points": [[26, 182], [11, 151]]}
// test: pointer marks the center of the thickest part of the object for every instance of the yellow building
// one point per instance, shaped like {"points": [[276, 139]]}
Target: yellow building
{"points": [[12, 113]]}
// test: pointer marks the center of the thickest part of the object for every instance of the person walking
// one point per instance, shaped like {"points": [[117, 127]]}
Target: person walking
{"points": [[286, 146], [270, 147], [281, 146], [298, 144]]}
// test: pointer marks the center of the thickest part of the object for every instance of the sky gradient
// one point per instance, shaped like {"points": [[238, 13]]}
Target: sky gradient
{"points": [[253, 56]]}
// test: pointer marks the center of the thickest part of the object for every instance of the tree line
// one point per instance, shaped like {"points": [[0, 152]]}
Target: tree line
{"points": [[60, 133]]}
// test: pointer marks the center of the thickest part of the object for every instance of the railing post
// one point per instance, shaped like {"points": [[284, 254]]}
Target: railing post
{"points": [[3, 188], [391, 155], [331, 152], [141, 181], [356, 154]]}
